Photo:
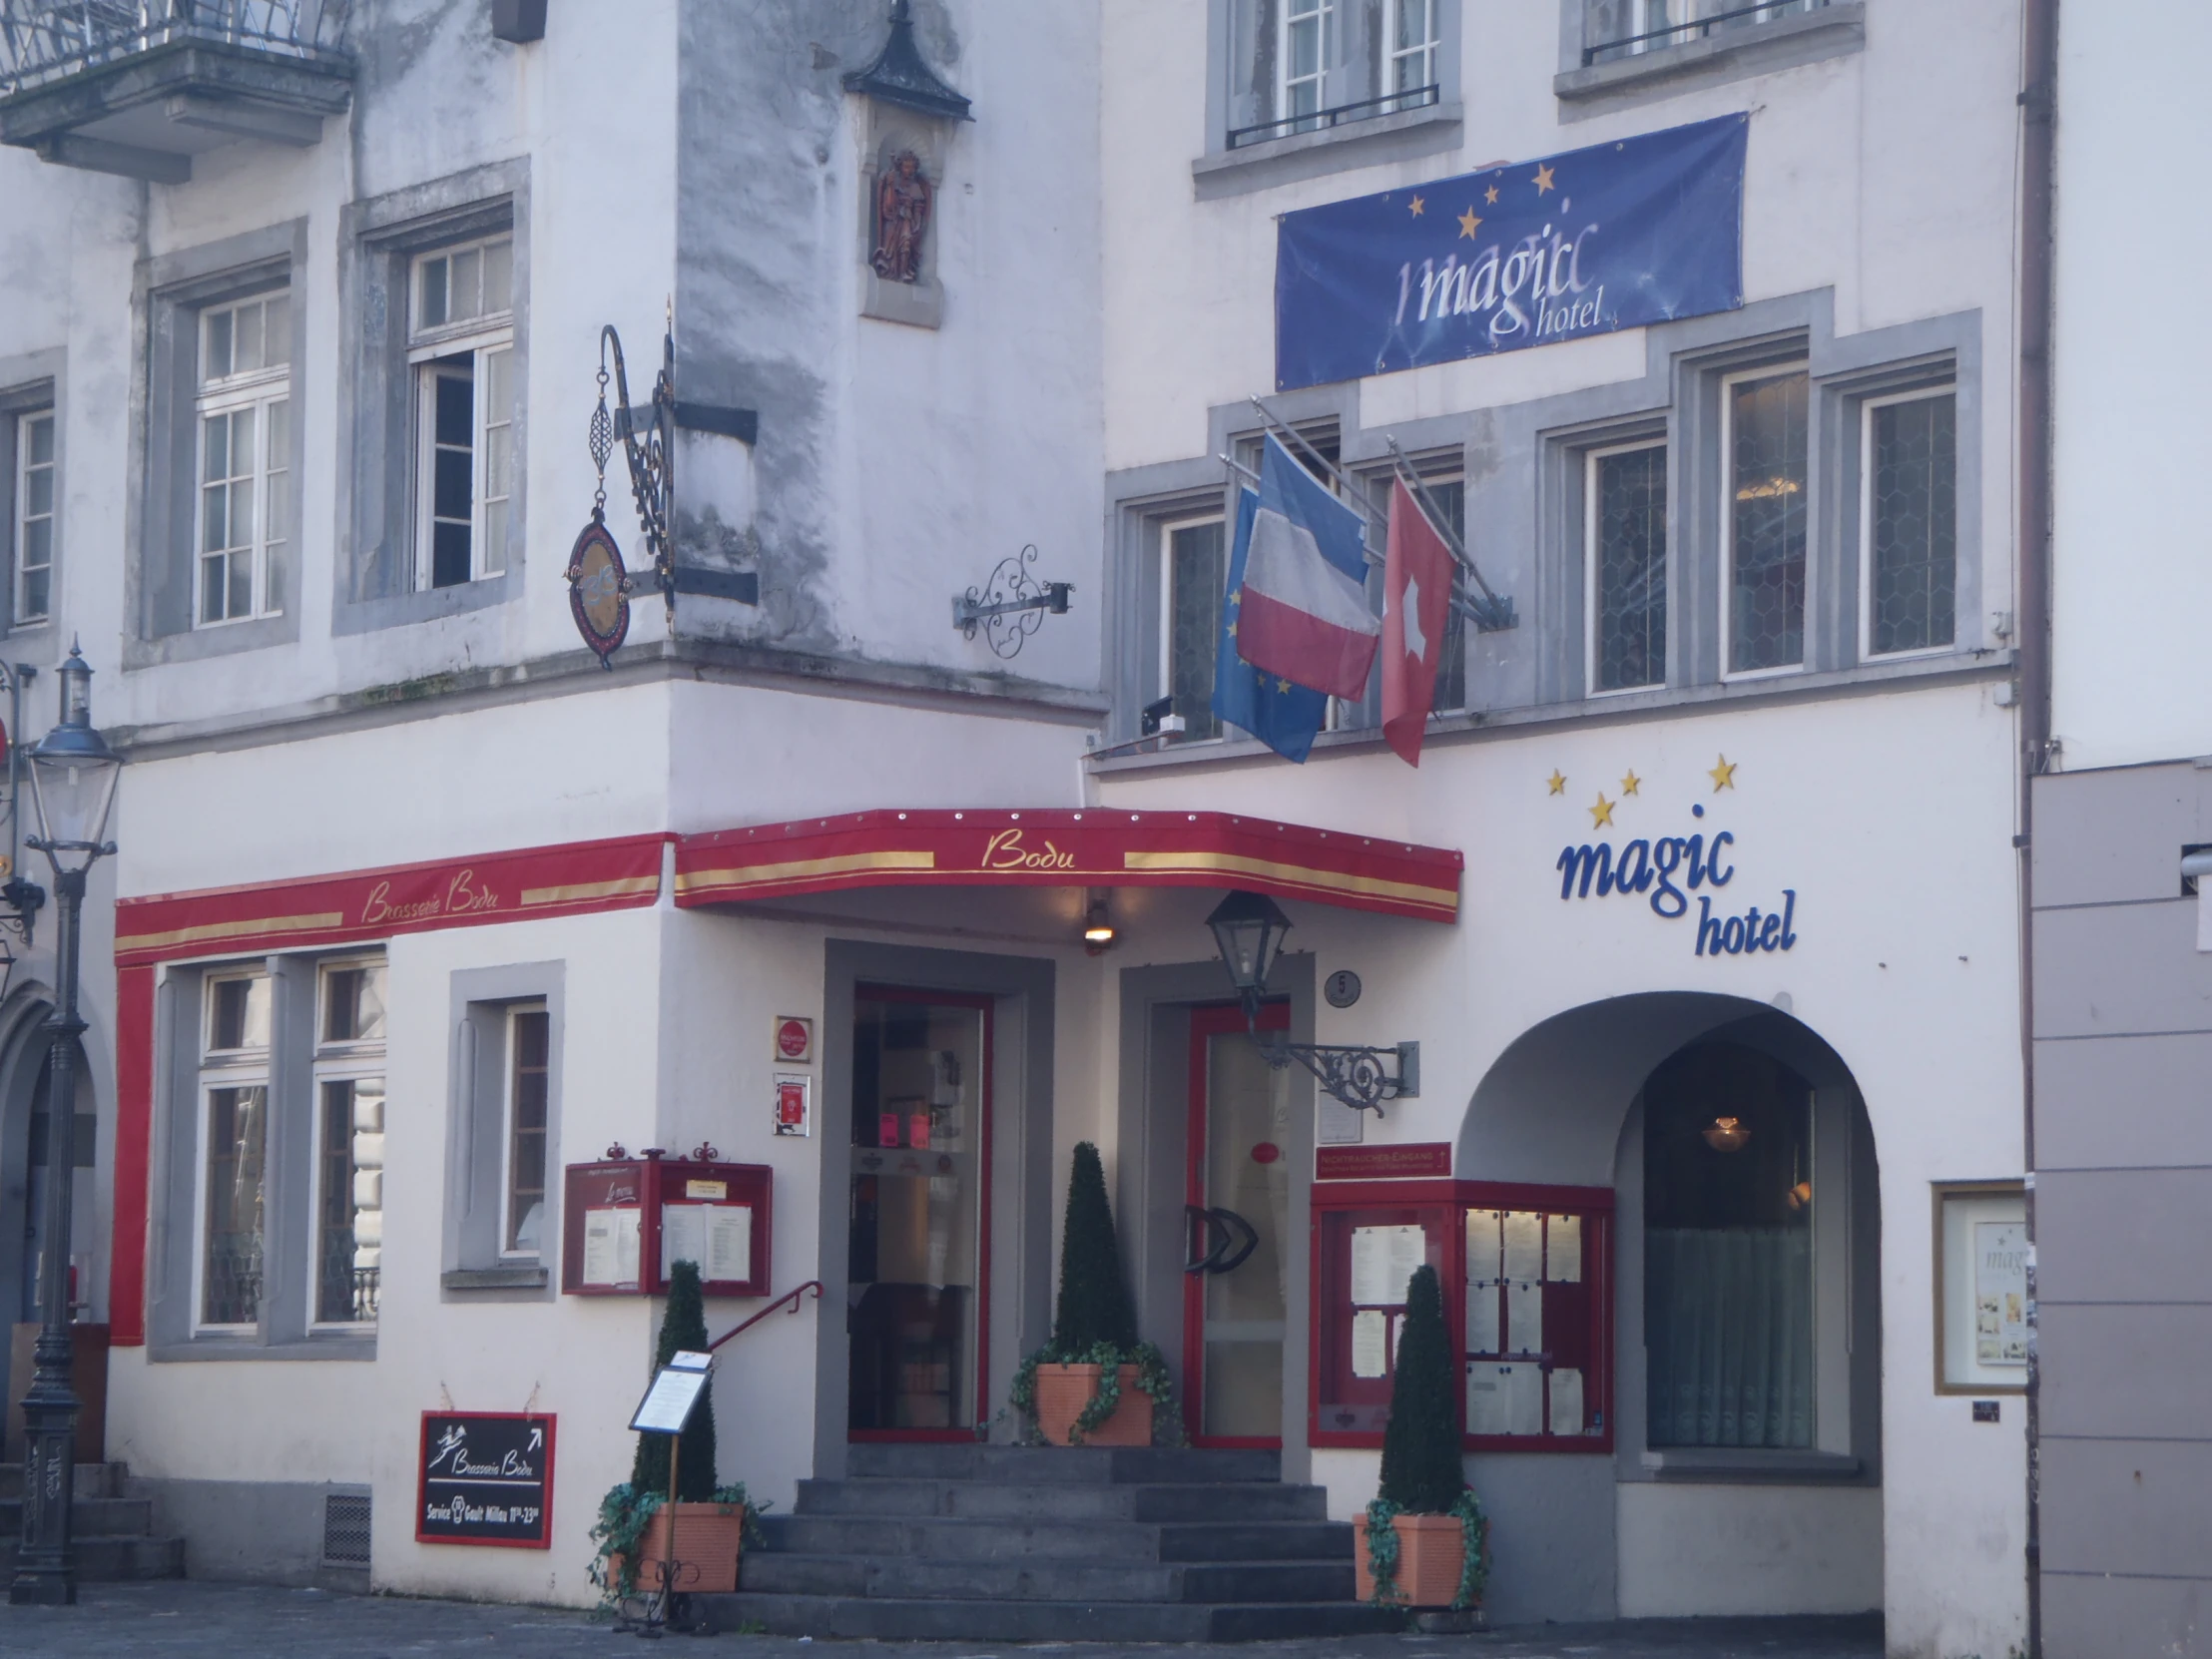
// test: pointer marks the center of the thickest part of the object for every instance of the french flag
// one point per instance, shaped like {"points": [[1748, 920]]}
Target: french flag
{"points": [[1301, 614]]}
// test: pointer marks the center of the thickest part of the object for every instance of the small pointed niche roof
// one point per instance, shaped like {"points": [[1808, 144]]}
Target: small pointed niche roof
{"points": [[898, 75]]}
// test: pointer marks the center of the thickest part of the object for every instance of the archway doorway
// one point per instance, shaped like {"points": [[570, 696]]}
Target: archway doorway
{"points": [[1746, 1470]]}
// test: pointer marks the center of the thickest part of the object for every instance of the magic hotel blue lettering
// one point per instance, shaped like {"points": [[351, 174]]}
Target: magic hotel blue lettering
{"points": [[1670, 871]]}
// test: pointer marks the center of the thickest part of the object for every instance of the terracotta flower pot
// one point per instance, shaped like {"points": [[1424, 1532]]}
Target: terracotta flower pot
{"points": [[1063, 1391], [708, 1540], [1431, 1554]]}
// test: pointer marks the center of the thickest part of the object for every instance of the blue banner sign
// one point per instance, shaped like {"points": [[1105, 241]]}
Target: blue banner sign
{"points": [[1613, 237]]}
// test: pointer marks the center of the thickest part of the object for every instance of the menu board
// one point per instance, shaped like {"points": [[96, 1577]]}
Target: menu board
{"points": [[485, 1478], [1383, 1260], [628, 1222]]}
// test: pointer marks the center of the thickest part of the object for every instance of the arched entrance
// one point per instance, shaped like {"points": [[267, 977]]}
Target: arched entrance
{"points": [[1746, 1471]]}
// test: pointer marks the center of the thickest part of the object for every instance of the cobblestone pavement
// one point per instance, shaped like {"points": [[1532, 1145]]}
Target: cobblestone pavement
{"points": [[216, 1621]]}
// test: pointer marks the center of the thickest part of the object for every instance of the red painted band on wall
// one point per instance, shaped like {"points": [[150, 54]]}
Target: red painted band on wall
{"points": [[134, 1123]]}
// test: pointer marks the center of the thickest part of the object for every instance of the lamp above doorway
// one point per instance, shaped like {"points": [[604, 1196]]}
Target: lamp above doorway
{"points": [[1248, 928]]}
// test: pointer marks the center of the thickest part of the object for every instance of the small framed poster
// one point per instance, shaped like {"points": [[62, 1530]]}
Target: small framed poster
{"points": [[485, 1478], [1981, 1258], [795, 1040], [794, 1095]]}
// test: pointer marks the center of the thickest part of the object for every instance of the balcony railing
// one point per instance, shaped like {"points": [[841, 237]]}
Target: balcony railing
{"points": [[43, 41], [1412, 98], [1622, 28]]}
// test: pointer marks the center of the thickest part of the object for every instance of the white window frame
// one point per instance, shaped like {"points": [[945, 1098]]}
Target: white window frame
{"points": [[19, 614], [1427, 50], [1591, 594], [1867, 408], [227, 1068], [1727, 462], [510, 1077], [1164, 628], [478, 337], [258, 389], [336, 1060], [1640, 15], [1323, 16]]}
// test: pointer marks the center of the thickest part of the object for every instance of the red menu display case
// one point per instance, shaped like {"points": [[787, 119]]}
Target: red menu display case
{"points": [[626, 1221]]}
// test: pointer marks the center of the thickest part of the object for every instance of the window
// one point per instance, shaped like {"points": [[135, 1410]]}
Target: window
{"points": [[528, 1076], [1193, 577], [1763, 520], [243, 508], [1908, 517], [461, 343], [1625, 524], [1410, 42], [1727, 1251], [350, 1144], [34, 517], [233, 1088], [1620, 28], [1306, 45]]}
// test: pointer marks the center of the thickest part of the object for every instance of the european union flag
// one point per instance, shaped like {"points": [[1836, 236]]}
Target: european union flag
{"points": [[1280, 713]]}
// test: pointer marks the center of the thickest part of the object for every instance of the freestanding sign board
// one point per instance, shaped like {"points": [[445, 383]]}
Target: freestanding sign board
{"points": [[485, 1478]]}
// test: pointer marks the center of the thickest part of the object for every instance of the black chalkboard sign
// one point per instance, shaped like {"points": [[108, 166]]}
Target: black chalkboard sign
{"points": [[485, 1478]]}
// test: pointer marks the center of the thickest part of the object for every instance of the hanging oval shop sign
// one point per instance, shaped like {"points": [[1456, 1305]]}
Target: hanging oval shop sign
{"points": [[599, 591]]}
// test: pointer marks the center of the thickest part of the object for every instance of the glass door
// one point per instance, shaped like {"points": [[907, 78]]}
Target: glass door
{"points": [[918, 1239], [1235, 1296]]}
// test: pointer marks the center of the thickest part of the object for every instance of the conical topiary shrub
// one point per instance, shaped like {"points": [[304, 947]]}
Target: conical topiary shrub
{"points": [[1421, 1447], [1423, 1542], [1072, 1388], [1094, 1300], [683, 1330]]}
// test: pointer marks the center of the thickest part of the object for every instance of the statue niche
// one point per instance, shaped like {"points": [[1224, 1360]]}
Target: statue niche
{"points": [[903, 198]]}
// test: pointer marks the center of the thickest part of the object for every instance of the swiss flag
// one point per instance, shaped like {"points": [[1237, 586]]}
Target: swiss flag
{"points": [[1417, 609]]}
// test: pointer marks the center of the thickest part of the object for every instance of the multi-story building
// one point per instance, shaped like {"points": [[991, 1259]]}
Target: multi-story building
{"points": [[1701, 904]]}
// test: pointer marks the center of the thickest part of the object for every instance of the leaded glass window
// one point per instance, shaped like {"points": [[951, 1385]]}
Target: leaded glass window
{"points": [[1766, 418], [1627, 508], [1194, 578], [1912, 518]]}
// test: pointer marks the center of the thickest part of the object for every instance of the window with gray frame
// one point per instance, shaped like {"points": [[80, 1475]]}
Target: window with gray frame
{"points": [[460, 345], [1625, 528], [1306, 66], [276, 1215], [1614, 28], [502, 1191], [1764, 520], [528, 1079], [1193, 577], [32, 518], [1909, 520], [242, 416]]}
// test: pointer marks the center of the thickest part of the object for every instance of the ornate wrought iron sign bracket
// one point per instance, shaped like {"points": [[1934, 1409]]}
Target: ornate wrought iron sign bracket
{"points": [[1011, 606], [1362, 1078]]}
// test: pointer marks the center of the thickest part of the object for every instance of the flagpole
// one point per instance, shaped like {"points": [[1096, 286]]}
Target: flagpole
{"points": [[1491, 612], [1353, 496], [1253, 478]]}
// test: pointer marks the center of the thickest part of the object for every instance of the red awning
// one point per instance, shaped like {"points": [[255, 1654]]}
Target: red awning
{"points": [[1059, 847]]}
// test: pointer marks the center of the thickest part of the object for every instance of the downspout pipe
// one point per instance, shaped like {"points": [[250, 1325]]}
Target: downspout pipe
{"points": [[2038, 146]]}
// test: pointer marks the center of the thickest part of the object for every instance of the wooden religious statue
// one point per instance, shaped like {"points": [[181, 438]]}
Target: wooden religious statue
{"points": [[902, 203]]}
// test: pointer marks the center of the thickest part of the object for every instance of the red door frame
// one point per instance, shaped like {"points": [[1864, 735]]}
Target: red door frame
{"points": [[988, 1007], [1212, 1021]]}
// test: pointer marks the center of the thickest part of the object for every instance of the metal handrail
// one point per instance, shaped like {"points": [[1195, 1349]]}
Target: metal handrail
{"points": [[1693, 28], [49, 40], [791, 1296], [1412, 98]]}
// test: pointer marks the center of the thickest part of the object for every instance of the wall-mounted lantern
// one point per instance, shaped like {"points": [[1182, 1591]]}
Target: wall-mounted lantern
{"points": [[1248, 928]]}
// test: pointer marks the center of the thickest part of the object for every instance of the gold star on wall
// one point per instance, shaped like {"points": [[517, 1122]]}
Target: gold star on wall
{"points": [[1490, 197], [1467, 223], [1558, 782], [1417, 207], [1631, 784], [1723, 775], [1602, 814], [1543, 179]]}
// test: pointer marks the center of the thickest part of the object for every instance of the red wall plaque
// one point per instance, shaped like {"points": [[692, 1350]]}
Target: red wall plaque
{"points": [[1383, 1163]]}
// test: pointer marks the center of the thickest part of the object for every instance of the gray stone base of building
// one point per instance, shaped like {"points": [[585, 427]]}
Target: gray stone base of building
{"points": [[252, 1532]]}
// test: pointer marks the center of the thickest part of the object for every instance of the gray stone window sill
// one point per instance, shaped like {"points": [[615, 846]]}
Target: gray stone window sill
{"points": [[1867, 678], [515, 1277], [223, 640], [1382, 137], [1751, 1463], [337, 1346], [1784, 43]]}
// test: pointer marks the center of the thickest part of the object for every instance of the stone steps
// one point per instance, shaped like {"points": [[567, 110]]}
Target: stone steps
{"points": [[1017, 1543], [111, 1534]]}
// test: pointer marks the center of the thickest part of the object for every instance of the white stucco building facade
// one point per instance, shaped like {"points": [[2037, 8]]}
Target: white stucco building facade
{"points": [[369, 761]]}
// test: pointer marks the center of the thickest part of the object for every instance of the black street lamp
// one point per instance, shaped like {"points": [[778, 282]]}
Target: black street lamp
{"points": [[1248, 932], [73, 778]]}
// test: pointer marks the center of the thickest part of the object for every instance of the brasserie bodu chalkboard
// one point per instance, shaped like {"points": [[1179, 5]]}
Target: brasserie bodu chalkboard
{"points": [[485, 1478]]}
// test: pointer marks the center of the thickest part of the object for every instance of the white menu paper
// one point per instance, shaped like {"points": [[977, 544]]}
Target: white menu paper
{"points": [[1563, 1248], [1368, 1329], [611, 1246], [1525, 1318], [1524, 1244], [1505, 1399], [1482, 1326], [1566, 1401], [1382, 1260]]}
